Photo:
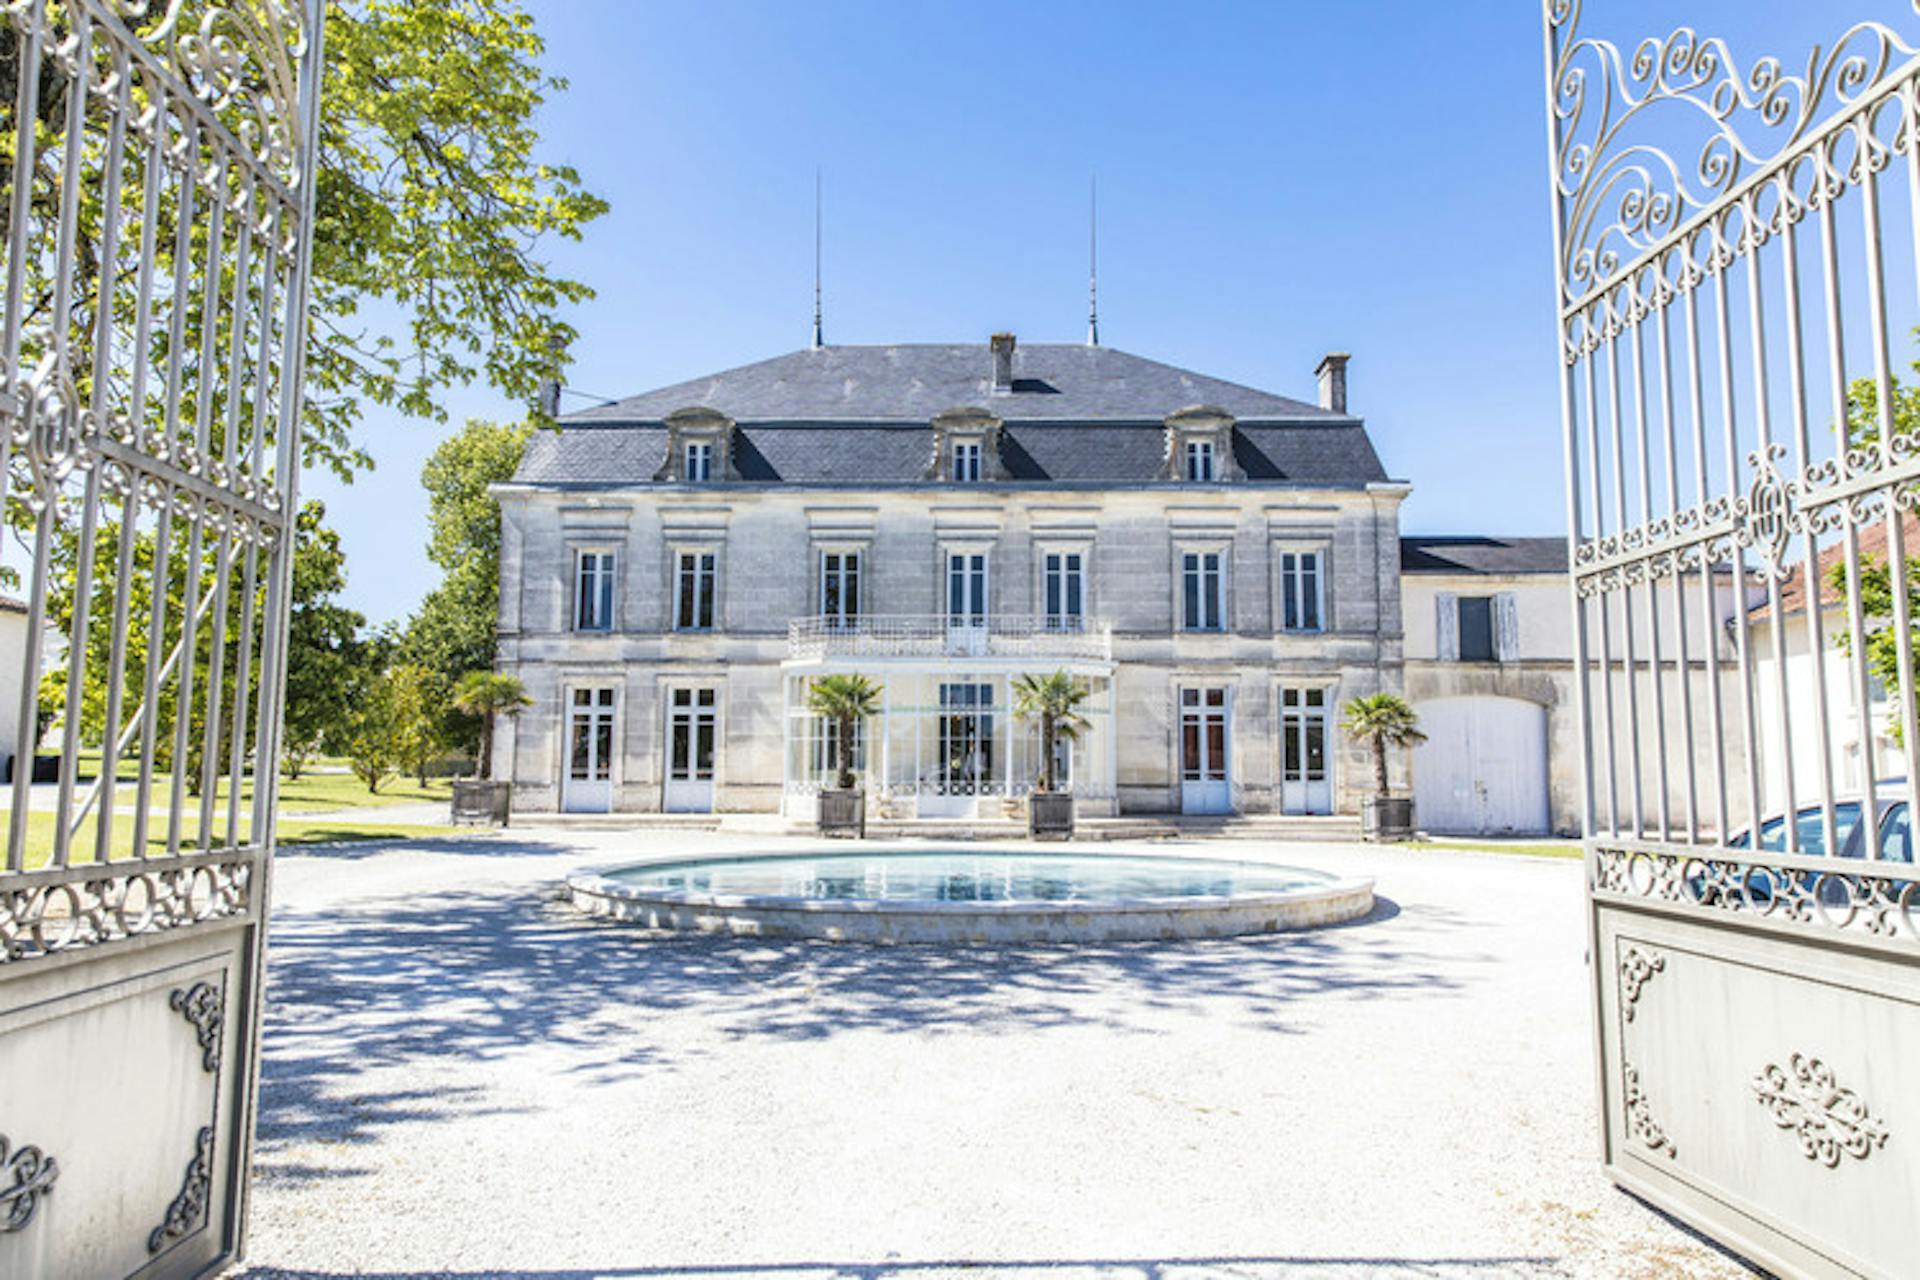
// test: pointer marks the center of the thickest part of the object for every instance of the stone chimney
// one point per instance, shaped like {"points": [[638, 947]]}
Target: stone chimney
{"points": [[1333, 381], [1002, 344]]}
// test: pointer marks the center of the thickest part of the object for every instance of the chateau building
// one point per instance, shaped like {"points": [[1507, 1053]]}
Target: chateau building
{"points": [[1219, 565]]}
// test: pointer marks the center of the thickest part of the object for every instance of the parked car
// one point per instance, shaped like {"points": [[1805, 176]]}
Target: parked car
{"points": [[1810, 827], [1850, 837]]}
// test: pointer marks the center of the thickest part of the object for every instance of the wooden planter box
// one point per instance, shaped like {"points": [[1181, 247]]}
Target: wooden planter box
{"points": [[1050, 815], [1387, 818], [482, 804], [843, 813]]}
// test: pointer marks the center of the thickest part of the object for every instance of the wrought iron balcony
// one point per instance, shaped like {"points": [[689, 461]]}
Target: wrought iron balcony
{"points": [[939, 635]]}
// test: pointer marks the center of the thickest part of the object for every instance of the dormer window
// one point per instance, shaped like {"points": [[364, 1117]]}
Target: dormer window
{"points": [[699, 447], [699, 461], [1199, 460], [1199, 448], [966, 461]]}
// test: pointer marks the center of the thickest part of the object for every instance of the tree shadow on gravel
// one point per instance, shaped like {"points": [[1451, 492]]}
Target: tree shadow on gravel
{"points": [[441, 982], [353, 848], [1255, 1267]]}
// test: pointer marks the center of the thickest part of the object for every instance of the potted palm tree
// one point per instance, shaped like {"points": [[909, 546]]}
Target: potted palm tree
{"points": [[846, 700], [486, 694], [1384, 720], [1054, 701]]}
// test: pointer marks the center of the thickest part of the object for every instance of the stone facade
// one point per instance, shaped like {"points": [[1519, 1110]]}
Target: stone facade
{"points": [[655, 663]]}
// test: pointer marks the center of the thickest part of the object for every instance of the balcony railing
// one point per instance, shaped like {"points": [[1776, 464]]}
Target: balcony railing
{"points": [[939, 635]]}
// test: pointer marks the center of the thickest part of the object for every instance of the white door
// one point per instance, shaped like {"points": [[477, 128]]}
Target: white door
{"points": [[1204, 784], [1306, 781], [1483, 768], [692, 724], [588, 787], [964, 769]]}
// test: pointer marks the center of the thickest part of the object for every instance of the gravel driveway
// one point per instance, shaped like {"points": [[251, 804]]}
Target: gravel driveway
{"points": [[464, 1078]]}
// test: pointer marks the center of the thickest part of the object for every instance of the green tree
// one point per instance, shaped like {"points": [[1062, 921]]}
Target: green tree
{"points": [[453, 631], [846, 700], [1882, 648], [1054, 700], [432, 200], [327, 658], [433, 204], [1881, 645], [1382, 720], [373, 738], [416, 702], [488, 694]]}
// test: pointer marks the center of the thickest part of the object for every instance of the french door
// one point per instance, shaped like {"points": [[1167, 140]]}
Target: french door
{"points": [[964, 767], [588, 786], [1306, 786], [692, 725], [966, 602], [1205, 786]]}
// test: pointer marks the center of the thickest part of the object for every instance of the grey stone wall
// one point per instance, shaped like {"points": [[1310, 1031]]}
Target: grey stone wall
{"points": [[768, 542]]}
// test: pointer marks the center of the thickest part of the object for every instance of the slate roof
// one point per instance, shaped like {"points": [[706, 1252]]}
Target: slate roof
{"points": [[861, 415], [1052, 382], [1456, 553]]}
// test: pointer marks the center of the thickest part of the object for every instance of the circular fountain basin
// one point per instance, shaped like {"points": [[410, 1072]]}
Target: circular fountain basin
{"points": [[971, 896]]}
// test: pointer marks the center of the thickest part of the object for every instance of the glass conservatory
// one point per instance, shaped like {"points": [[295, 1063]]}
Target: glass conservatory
{"points": [[946, 742]]}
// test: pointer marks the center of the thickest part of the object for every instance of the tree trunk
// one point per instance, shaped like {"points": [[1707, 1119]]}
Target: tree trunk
{"points": [[486, 747], [1046, 751], [1380, 765], [843, 754]]}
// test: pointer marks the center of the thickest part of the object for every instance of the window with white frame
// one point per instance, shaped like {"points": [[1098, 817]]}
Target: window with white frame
{"points": [[823, 741], [1199, 459], [966, 461], [693, 601], [1063, 578], [1203, 591], [593, 591], [966, 588], [1302, 580], [840, 586], [699, 461]]}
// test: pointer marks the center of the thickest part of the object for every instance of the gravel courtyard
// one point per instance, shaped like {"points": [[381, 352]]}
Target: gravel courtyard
{"points": [[462, 1077]]}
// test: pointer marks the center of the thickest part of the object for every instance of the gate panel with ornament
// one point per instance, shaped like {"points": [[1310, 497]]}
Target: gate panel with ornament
{"points": [[157, 159], [1738, 259]]}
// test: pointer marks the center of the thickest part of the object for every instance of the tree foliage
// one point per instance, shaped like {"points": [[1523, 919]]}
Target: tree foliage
{"points": [[433, 198], [846, 700], [1382, 720], [453, 631], [433, 205], [327, 658], [1054, 700], [487, 695]]}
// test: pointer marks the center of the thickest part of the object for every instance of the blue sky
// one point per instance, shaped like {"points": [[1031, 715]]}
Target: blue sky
{"points": [[1276, 181]]}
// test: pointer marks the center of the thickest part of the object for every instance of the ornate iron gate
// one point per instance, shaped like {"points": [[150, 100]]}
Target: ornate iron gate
{"points": [[1738, 252], [159, 163]]}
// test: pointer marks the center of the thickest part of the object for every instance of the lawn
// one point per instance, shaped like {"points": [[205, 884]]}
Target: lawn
{"points": [[311, 790], [292, 832], [1557, 849]]}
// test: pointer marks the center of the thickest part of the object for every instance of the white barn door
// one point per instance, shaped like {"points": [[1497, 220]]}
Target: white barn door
{"points": [[1483, 768]]}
